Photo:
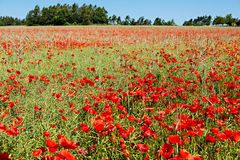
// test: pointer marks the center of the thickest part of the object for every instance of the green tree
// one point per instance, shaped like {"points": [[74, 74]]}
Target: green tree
{"points": [[199, 21], [127, 20], [133, 22], [238, 22], [230, 21], [188, 23], [100, 16], [62, 15], [169, 23], [157, 22], [33, 17], [147, 22], [86, 14], [219, 20], [48, 15], [7, 21], [75, 15], [119, 21], [140, 21], [113, 19]]}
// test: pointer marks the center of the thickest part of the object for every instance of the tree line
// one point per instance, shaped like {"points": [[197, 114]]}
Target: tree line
{"points": [[77, 15], [8, 20], [91, 14], [83, 15], [228, 20]]}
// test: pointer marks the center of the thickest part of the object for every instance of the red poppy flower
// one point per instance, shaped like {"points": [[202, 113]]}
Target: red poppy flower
{"points": [[4, 156], [67, 144], [36, 152], [210, 138], [123, 146], [184, 154], [98, 125], [142, 147], [221, 136], [131, 118], [37, 108], [174, 139], [167, 150], [89, 109], [66, 155], [64, 118], [12, 132], [52, 145], [236, 136], [84, 127], [46, 134], [3, 127], [215, 130], [11, 105], [177, 157], [191, 133], [195, 157]]}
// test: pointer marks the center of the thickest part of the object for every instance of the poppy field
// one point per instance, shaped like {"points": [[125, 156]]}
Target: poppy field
{"points": [[71, 93]]}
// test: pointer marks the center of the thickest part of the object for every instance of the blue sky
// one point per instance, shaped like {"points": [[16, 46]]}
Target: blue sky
{"points": [[179, 10]]}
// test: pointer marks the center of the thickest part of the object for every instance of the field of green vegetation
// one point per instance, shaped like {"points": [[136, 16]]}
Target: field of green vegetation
{"points": [[70, 93]]}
